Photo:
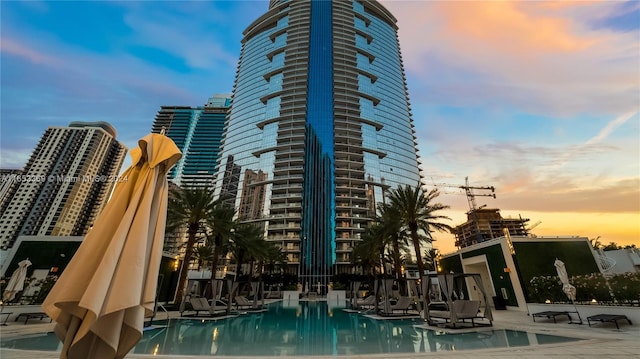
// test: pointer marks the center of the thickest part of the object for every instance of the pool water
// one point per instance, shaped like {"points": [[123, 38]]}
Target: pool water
{"points": [[312, 328]]}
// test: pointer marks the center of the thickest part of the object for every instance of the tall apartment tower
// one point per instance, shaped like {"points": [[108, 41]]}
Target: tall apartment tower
{"points": [[321, 109], [65, 184], [197, 131]]}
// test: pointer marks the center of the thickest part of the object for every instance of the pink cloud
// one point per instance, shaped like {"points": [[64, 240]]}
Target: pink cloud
{"points": [[504, 25], [15, 48], [541, 59]]}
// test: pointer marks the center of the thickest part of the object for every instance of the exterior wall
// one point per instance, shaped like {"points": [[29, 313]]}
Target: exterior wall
{"points": [[53, 254], [44, 252], [531, 256], [502, 269], [497, 263], [535, 256], [65, 184], [320, 107]]}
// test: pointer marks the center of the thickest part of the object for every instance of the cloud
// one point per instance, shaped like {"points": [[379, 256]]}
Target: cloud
{"points": [[14, 158], [506, 54], [606, 131], [9, 46]]}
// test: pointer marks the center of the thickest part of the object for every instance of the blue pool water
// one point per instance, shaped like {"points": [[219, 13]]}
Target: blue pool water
{"points": [[312, 328]]}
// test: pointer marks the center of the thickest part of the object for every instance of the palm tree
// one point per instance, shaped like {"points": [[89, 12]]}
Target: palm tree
{"points": [[417, 213], [429, 258], [370, 250], [247, 243], [273, 256], [188, 208], [220, 228], [203, 255], [390, 221]]}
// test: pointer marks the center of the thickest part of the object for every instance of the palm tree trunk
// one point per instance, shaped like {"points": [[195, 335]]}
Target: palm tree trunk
{"points": [[398, 267], [416, 246], [216, 255], [184, 270], [239, 262]]}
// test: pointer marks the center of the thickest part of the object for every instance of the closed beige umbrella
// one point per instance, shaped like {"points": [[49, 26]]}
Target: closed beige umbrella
{"points": [[567, 288], [100, 301], [16, 282]]}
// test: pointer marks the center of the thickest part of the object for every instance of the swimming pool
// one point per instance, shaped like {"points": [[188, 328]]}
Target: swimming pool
{"points": [[312, 328]]}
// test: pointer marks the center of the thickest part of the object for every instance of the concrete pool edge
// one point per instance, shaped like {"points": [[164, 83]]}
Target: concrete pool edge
{"points": [[602, 341], [584, 348]]}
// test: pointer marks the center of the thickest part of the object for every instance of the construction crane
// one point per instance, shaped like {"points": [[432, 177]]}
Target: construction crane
{"points": [[471, 196], [534, 225]]}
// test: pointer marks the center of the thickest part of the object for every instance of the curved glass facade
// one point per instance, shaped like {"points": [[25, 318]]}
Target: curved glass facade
{"points": [[319, 127]]}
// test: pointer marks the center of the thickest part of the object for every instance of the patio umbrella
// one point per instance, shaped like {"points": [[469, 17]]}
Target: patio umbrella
{"points": [[100, 301], [567, 288], [16, 283]]}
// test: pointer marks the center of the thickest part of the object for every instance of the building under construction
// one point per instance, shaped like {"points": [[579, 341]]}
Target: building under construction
{"points": [[484, 224]]}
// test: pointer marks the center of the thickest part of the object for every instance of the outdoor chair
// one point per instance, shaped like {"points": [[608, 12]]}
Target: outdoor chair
{"points": [[403, 304], [243, 302], [603, 318], [201, 304], [31, 315], [367, 302], [464, 310], [550, 314]]}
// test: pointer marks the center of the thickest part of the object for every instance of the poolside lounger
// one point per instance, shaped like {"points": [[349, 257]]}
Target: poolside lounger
{"points": [[602, 318], [367, 302], [243, 302], [550, 315], [201, 304], [32, 315], [464, 309], [403, 304]]}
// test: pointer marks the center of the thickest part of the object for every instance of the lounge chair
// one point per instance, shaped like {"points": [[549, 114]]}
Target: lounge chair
{"points": [[464, 309], [201, 304], [243, 302], [549, 314], [368, 302], [602, 318], [31, 315], [403, 304]]}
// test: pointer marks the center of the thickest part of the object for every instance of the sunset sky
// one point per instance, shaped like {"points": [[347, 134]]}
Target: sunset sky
{"points": [[539, 99]]}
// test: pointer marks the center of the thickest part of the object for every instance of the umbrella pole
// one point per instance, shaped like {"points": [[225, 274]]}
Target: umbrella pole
{"points": [[577, 312]]}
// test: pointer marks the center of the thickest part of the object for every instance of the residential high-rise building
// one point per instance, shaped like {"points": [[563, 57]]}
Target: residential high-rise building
{"points": [[65, 184], [321, 109], [197, 131]]}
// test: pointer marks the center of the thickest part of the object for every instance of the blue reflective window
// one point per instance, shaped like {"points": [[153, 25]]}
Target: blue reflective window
{"points": [[278, 60], [366, 109], [273, 108], [280, 41], [361, 41]]}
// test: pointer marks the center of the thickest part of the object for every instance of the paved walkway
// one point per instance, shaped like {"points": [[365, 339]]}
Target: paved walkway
{"points": [[603, 341]]}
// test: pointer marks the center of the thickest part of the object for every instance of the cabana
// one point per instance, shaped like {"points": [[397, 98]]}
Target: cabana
{"points": [[454, 308]]}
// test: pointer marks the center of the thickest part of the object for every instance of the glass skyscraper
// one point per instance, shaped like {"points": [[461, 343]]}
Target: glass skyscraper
{"points": [[197, 132], [320, 126]]}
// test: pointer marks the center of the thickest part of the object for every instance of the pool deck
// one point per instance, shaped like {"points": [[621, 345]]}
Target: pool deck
{"points": [[603, 341]]}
